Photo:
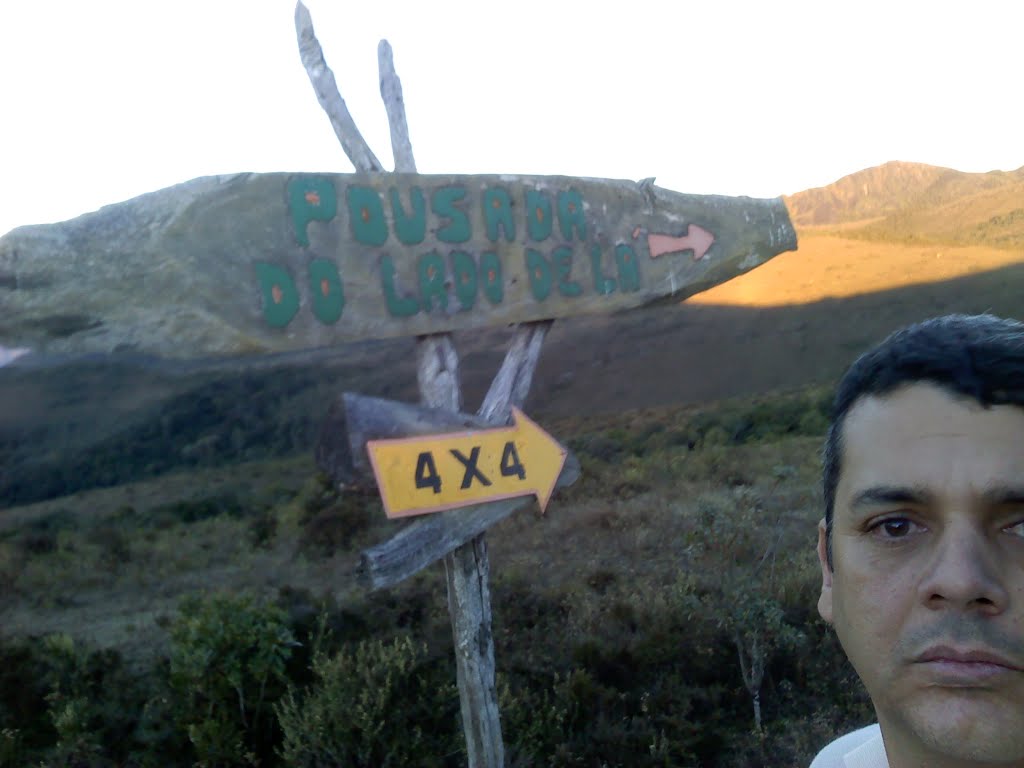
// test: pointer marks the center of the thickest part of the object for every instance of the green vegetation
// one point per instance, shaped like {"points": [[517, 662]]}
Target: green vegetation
{"points": [[661, 613]]}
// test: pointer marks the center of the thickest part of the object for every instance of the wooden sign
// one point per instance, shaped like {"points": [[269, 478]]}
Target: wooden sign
{"points": [[407, 254], [276, 262], [437, 472]]}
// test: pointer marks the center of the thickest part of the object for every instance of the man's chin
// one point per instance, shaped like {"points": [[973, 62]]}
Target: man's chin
{"points": [[964, 723]]}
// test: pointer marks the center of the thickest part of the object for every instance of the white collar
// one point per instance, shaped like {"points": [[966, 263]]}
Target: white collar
{"points": [[870, 754]]}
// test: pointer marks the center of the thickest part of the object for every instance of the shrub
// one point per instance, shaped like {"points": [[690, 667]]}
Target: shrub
{"points": [[376, 704], [194, 510], [227, 668], [334, 523]]}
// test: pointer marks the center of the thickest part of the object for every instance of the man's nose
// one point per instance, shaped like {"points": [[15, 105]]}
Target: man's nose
{"points": [[964, 573]]}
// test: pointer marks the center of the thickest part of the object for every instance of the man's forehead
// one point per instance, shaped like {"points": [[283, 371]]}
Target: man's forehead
{"points": [[921, 434], [919, 405]]}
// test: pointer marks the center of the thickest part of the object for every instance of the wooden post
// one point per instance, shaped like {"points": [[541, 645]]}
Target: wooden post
{"points": [[722, 237], [467, 569]]}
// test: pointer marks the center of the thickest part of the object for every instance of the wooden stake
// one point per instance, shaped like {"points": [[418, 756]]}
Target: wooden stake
{"points": [[327, 94], [467, 568]]}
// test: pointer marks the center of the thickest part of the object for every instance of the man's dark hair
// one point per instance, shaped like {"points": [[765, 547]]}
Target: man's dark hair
{"points": [[980, 357]]}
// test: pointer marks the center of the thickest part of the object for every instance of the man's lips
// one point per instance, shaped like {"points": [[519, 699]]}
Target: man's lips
{"points": [[956, 666], [946, 653]]}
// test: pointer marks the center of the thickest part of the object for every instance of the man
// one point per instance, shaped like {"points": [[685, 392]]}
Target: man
{"points": [[922, 545]]}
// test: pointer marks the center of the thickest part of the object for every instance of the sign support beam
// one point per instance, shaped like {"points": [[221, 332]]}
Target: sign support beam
{"points": [[467, 568]]}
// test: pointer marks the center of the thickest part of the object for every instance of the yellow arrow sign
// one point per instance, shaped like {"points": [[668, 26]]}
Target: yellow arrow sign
{"points": [[417, 475]]}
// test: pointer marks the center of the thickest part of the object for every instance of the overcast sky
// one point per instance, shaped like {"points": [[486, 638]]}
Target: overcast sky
{"points": [[107, 99]]}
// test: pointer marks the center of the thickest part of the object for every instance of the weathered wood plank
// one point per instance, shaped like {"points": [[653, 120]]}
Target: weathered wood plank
{"points": [[354, 419], [394, 105], [467, 571], [437, 372], [467, 568], [429, 538], [274, 262], [511, 385], [322, 78]]}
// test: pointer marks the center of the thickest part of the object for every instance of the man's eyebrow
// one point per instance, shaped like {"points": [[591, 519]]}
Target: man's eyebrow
{"points": [[1002, 495], [881, 495]]}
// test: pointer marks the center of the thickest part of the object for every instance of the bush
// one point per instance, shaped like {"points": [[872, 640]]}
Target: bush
{"points": [[378, 704], [227, 669], [333, 523], [194, 510]]}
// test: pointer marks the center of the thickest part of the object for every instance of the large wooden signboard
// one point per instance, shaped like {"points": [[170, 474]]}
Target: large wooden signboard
{"points": [[407, 254], [275, 262]]}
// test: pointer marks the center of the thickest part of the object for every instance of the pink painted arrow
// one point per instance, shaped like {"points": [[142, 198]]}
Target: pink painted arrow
{"points": [[696, 239]]}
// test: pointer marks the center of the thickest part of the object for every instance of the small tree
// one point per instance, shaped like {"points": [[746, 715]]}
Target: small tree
{"points": [[738, 546]]}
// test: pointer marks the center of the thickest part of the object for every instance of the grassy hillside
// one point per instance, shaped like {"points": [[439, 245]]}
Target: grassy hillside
{"points": [[616, 614]]}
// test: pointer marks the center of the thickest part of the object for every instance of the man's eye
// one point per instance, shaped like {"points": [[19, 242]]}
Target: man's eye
{"points": [[1017, 529], [893, 527]]}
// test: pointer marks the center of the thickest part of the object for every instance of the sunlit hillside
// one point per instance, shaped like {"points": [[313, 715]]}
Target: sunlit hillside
{"points": [[896, 189], [897, 225], [833, 267]]}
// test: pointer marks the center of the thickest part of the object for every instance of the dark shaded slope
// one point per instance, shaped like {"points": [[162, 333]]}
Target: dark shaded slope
{"points": [[672, 355]]}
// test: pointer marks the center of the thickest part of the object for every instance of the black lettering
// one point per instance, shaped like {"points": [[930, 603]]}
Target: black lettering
{"points": [[426, 472], [510, 464], [470, 465]]}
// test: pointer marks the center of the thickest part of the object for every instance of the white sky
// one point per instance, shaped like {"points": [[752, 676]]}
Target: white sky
{"points": [[102, 100]]}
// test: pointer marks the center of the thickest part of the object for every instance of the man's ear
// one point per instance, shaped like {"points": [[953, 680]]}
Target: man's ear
{"points": [[825, 598]]}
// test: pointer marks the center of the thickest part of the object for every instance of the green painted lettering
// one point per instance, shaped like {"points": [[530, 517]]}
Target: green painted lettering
{"points": [[280, 298], [562, 260], [490, 276], [538, 215], [398, 306], [326, 290], [629, 268], [445, 203], [602, 284], [366, 215], [310, 198], [410, 229], [497, 204], [430, 269], [539, 270], [464, 275], [570, 215]]}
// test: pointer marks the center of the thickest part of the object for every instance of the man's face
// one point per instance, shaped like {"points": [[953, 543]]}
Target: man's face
{"points": [[927, 596]]}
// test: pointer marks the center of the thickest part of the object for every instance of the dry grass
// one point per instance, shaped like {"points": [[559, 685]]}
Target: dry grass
{"points": [[116, 585], [830, 267]]}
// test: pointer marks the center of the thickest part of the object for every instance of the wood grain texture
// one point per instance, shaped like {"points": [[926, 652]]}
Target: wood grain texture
{"points": [[466, 568], [511, 385], [394, 104], [257, 263], [322, 78], [430, 537]]}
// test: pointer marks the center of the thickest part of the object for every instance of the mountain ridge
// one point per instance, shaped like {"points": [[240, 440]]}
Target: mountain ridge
{"points": [[915, 202]]}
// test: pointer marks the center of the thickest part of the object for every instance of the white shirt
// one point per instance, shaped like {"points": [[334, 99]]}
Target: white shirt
{"points": [[861, 749]]}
